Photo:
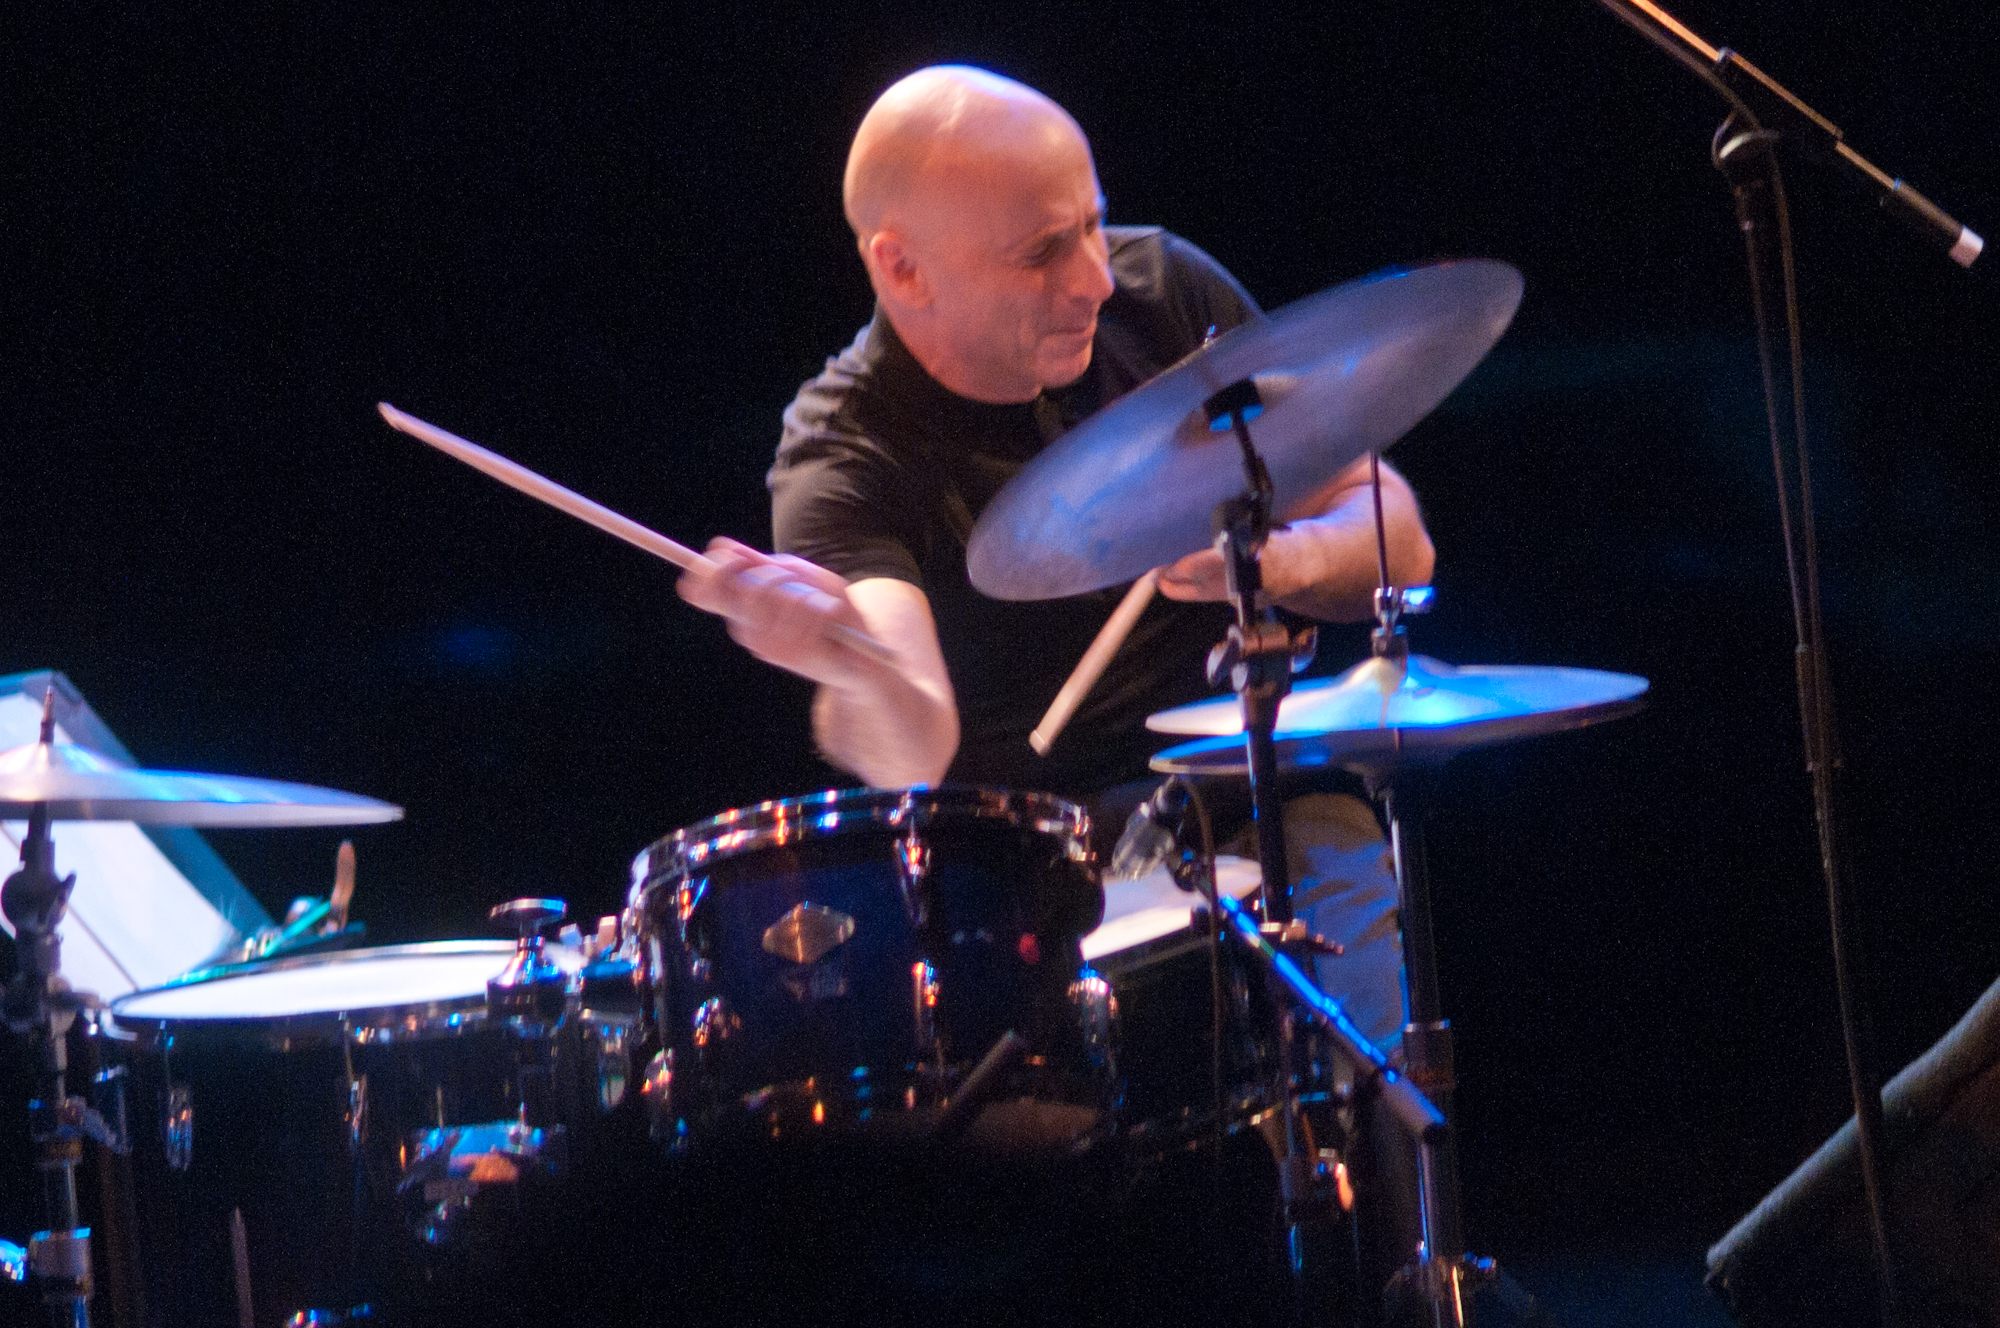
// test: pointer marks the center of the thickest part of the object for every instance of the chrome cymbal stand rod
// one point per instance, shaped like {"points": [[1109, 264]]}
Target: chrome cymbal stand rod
{"points": [[1444, 1284], [1441, 1263], [1260, 654]]}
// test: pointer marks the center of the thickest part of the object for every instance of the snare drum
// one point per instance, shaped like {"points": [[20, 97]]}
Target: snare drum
{"points": [[844, 958], [355, 1116], [1155, 960]]}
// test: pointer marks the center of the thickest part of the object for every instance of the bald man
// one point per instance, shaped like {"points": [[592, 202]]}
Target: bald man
{"points": [[1006, 312]]}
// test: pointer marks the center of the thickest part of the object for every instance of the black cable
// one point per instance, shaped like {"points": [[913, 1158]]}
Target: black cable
{"points": [[1816, 709]]}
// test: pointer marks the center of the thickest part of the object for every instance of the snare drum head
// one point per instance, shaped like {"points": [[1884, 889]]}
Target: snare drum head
{"points": [[369, 987], [1151, 906]]}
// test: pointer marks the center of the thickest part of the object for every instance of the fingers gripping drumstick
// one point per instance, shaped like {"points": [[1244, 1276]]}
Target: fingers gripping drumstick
{"points": [[1088, 669], [517, 476]]}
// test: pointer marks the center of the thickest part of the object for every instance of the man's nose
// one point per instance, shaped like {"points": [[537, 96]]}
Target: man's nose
{"points": [[1090, 274]]}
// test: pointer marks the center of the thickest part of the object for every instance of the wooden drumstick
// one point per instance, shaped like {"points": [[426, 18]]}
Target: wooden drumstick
{"points": [[343, 886], [519, 477], [1091, 667]]}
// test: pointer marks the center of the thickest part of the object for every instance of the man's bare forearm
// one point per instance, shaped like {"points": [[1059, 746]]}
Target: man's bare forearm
{"points": [[892, 724], [887, 729]]}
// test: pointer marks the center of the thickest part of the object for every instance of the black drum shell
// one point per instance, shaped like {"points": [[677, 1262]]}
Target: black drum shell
{"points": [[324, 1226], [1165, 1042], [998, 909], [329, 1222]]}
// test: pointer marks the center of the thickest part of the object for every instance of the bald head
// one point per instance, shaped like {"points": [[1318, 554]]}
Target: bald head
{"points": [[976, 207], [940, 124]]}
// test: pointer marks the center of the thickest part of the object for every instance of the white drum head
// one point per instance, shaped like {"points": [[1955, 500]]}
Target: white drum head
{"points": [[1152, 906], [349, 982]]}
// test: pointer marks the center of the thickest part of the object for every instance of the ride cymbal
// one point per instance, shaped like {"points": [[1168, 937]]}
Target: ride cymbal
{"points": [[1338, 374]]}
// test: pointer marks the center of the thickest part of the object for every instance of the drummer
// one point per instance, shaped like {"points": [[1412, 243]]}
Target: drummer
{"points": [[1006, 312]]}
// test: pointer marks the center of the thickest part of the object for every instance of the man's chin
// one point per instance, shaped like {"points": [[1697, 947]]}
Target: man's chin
{"points": [[1062, 370]]}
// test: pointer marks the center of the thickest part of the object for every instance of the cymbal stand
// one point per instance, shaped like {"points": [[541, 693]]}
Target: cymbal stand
{"points": [[1258, 657], [39, 1004], [1442, 1270]]}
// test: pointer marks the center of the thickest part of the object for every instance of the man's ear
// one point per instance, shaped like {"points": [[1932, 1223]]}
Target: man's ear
{"points": [[896, 271]]}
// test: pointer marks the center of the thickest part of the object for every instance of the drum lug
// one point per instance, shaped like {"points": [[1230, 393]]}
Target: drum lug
{"points": [[1096, 1009], [357, 1110], [924, 1002], [177, 1127], [686, 900], [614, 1062], [913, 869], [714, 1021], [657, 1089]]}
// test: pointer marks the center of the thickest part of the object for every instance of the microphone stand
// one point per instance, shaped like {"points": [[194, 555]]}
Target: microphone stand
{"points": [[1763, 113]]}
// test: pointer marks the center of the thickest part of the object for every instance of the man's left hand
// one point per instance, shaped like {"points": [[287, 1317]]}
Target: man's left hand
{"points": [[1202, 576]]}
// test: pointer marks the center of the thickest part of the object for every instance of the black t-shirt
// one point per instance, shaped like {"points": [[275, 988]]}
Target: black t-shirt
{"points": [[881, 469]]}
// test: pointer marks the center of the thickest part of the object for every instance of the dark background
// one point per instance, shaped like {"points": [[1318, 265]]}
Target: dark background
{"points": [[607, 241]]}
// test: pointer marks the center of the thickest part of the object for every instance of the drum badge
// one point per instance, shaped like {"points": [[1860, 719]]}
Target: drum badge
{"points": [[807, 933]]}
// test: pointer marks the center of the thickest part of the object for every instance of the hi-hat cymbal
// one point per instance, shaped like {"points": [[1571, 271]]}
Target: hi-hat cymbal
{"points": [[1340, 374], [79, 784], [1383, 713]]}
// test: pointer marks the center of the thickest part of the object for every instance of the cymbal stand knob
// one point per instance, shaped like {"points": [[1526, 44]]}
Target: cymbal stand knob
{"points": [[1390, 640]]}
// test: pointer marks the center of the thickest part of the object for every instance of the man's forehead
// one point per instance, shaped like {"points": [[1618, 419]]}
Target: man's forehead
{"points": [[1018, 197]]}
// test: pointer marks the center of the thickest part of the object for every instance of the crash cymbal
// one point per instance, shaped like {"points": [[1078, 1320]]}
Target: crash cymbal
{"points": [[1386, 712], [79, 784], [1340, 374]]}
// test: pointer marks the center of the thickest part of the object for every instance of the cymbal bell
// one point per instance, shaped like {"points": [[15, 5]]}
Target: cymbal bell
{"points": [[79, 784], [1387, 712], [1338, 374]]}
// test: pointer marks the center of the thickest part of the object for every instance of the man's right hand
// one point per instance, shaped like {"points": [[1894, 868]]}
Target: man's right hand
{"points": [[892, 724], [779, 608]]}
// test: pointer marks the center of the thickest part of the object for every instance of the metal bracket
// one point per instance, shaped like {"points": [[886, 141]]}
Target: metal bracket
{"points": [[913, 869]]}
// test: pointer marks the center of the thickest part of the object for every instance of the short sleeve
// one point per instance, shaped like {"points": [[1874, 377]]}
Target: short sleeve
{"points": [[1208, 295], [839, 500]]}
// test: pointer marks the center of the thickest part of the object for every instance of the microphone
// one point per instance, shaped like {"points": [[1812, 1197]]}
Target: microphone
{"points": [[1152, 836], [1778, 109], [1823, 139]]}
